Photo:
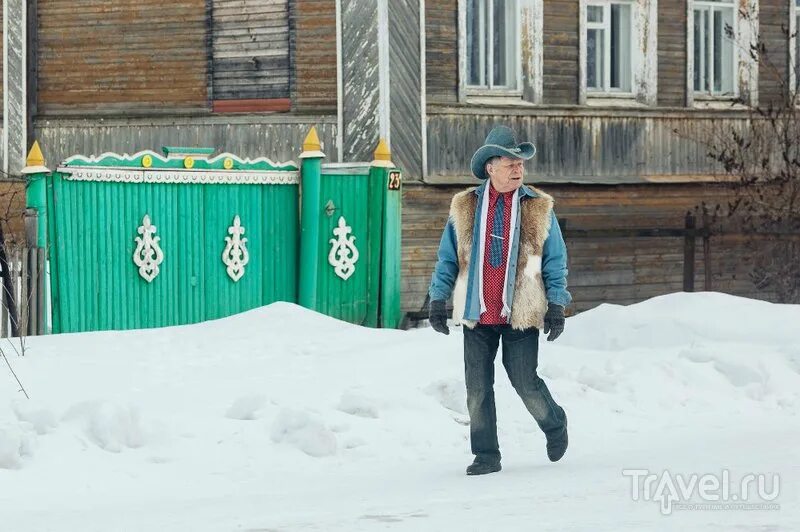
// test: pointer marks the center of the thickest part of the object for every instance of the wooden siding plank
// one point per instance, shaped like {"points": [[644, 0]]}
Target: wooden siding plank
{"points": [[250, 52], [672, 52], [441, 50], [560, 67], [313, 45], [773, 23], [127, 54]]}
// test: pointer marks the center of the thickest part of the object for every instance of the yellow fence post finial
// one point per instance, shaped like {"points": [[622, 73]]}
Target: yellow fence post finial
{"points": [[383, 156], [34, 164], [312, 147], [35, 157]]}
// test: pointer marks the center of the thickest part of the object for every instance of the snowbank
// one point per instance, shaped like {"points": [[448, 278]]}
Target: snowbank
{"points": [[281, 418]]}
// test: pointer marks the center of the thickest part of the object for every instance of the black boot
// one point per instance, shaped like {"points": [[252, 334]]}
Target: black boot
{"points": [[557, 443], [481, 467]]}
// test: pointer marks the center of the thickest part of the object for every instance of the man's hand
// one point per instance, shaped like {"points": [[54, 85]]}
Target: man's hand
{"points": [[554, 321], [437, 315]]}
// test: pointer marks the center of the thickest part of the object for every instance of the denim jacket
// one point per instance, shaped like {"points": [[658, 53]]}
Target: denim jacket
{"points": [[554, 263]]}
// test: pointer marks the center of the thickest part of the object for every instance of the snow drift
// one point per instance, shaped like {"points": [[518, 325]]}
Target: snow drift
{"points": [[284, 419]]}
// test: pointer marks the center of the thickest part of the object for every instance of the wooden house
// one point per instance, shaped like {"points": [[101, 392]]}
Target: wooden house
{"points": [[611, 92]]}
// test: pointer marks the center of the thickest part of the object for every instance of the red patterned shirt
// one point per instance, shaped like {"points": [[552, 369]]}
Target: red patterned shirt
{"points": [[494, 278]]}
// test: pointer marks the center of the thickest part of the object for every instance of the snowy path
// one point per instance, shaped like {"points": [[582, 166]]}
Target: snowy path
{"points": [[281, 419]]}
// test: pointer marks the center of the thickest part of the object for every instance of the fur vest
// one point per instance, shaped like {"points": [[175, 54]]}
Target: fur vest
{"points": [[530, 300]]}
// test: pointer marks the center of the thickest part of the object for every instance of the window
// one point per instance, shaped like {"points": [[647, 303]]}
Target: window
{"points": [[714, 55], [492, 44], [608, 47]]}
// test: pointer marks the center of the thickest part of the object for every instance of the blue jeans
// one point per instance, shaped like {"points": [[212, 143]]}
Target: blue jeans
{"points": [[520, 358]]}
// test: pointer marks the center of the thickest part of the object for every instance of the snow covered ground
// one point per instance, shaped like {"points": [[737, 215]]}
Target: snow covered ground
{"points": [[282, 419]]}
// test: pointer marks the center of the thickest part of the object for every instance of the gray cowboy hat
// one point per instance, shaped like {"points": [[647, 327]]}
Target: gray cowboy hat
{"points": [[500, 142]]}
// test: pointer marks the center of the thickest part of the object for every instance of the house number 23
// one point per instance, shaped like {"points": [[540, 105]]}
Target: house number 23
{"points": [[394, 180]]}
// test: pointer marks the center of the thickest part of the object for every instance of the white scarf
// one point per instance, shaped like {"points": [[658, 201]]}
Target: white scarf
{"points": [[506, 312]]}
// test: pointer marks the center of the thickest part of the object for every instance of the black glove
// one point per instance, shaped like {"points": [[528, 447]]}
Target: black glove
{"points": [[437, 315], [554, 321]]}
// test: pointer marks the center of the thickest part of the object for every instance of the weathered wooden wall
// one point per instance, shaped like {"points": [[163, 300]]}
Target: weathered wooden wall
{"points": [[672, 53], [601, 270], [583, 146], [129, 54], [313, 44], [250, 43], [560, 51], [441, 50], [405, 101], [279, 137], [773, 24]]}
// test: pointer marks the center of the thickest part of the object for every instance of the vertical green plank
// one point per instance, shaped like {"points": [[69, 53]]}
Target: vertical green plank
{"points": [[373, 243], [99, 232], [391, 257], [55, 252]]}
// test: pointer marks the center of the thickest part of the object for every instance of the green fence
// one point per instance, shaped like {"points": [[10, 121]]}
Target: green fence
{"points": [[150, 240]]}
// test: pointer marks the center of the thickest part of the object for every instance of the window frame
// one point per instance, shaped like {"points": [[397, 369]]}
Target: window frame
{"points": [[711, 7], [745, 78], [487, 52], [607, 90], [643, 57]]}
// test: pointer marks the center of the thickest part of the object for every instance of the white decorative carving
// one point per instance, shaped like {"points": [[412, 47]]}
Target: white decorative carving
{"points": [[148, 255], [343, 254], [89, 160], [235, 255], [199, 177]]}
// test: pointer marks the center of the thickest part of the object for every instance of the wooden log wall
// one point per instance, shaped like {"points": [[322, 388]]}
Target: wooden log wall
{"points": [[773, 21], [250, 40], [126, 54], [441, 50], [278, 136], [585, 146], [313, 45], [560, 54], [601, 270], [672, 53]]}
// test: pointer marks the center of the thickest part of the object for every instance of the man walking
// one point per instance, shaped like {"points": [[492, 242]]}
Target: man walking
{"points": [[503, 259]]}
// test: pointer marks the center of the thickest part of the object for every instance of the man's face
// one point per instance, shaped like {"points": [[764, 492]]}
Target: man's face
{"points": [[506, 173]]}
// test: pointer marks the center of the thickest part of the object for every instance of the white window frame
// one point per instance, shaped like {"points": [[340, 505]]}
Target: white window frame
{"points": [[486, 53], [711, 8], [527, 53], [745, 68], [643, 51], [606, 27]]}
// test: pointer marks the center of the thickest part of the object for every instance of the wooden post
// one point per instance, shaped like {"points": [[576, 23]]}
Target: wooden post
{"points": [[688, 253], [8, 286], [310, 211]]}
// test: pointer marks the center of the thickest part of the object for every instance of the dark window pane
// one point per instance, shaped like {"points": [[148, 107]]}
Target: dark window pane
{"points": [[501, 74], [474, 40]]}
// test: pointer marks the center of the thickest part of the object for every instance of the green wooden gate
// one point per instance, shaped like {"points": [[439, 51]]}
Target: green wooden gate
{"points": [[147, 241]]}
